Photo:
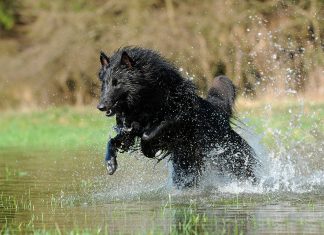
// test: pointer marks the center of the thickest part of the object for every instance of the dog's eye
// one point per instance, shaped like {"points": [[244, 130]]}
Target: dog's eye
{"points": [[114, 82]]}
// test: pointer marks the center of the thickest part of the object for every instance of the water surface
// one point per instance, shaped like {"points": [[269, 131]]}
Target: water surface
{"points": [[66, 191]]}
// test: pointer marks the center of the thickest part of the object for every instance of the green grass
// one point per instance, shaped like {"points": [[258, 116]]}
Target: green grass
{"points": [[287, 121], [71, 128], [54, 128]]}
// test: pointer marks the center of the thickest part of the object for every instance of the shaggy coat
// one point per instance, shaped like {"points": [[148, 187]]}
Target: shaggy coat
{"points": [[156, 104]]}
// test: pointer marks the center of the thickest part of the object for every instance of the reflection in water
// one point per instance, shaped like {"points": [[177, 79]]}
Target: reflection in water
{"points": [[71, 191]]}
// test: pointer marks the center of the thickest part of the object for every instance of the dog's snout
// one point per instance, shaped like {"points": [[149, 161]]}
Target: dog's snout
{"points": [[101, 107]]}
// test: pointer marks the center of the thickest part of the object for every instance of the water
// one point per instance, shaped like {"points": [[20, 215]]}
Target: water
{"points": [[70, 191], [64, 190]]}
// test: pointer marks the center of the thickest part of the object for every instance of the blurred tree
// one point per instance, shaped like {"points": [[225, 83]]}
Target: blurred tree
{"points": [[8, 13]]}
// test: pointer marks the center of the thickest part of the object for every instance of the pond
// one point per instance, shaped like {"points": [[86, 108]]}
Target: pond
{"points": [[70, 191]]}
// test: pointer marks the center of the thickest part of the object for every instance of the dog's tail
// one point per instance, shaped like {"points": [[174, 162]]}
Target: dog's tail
{"points": [[222, 94]]}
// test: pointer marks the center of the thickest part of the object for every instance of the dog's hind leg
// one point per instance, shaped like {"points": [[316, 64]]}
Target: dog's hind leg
{"points": [[187, 168], [239, 157]]}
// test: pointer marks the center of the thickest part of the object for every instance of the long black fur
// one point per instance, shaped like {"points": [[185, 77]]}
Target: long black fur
{"points": [[144, 88]]}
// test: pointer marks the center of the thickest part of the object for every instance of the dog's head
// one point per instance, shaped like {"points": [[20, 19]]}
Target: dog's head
{"points": [[119, 82]]}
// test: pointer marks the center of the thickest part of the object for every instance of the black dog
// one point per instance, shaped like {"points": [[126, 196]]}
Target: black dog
{"points": [[146, 91]]}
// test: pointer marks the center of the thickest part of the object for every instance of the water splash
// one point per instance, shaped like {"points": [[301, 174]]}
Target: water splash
{"points": [[288, 166]]}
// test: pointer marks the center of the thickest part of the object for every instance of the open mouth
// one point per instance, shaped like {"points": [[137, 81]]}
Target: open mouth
{"points": [[110, 112]]}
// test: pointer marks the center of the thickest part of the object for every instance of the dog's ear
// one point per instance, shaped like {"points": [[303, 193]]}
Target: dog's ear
{"points": [[126, 60], [104, 59]]}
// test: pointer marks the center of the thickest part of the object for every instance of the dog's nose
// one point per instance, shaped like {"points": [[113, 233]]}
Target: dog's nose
{"points": [[101, 107]]}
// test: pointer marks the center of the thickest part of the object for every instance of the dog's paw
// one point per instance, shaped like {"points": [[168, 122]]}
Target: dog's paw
{"points": [[111, 166]]}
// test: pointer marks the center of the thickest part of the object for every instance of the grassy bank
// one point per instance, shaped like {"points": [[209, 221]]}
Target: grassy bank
{"points": [[286, 120], [71, 128], [54, 128]]}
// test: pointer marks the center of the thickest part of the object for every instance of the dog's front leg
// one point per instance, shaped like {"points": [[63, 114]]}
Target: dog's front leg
{"points": [[122, 141], [157, 130], [110, 158]]}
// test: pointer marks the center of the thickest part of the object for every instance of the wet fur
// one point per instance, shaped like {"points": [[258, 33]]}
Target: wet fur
{"points": [[173, 118]]}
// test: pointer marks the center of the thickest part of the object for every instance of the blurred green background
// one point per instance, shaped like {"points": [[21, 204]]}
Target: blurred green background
{"points": [[49, 49]]}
